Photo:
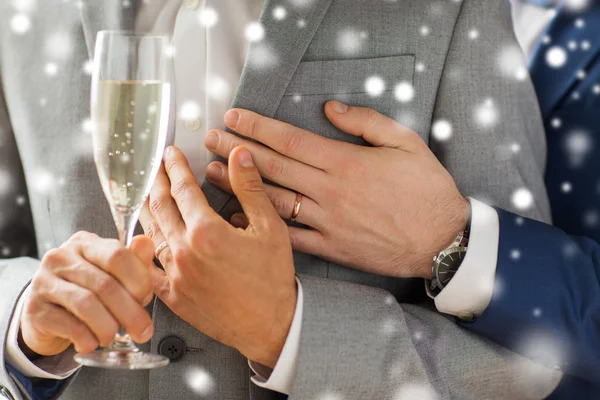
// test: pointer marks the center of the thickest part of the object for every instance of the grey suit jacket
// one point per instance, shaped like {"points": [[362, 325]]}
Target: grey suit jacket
{"points": [[359, 339]]}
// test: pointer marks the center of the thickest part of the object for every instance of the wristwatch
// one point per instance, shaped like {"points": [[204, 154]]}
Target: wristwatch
{"points": [[447, 262]]}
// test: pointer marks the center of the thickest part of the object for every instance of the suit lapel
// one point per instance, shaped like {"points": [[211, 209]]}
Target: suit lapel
{"points": [[553, 85], [271, 64], [105, 15]]}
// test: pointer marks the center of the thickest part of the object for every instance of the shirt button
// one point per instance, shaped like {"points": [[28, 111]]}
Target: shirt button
{"points": [[192, 4], [193, 124], [466, 316], [171, 347]]}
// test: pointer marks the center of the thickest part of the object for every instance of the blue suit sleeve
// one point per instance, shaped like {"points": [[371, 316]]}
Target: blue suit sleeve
{"points": [[38, 389], [546, 302]]}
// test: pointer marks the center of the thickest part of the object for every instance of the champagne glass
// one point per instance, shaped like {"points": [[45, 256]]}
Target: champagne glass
{"points": [[130, 107]]}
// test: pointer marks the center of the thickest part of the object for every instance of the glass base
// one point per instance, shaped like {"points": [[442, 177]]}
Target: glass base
{"points": [[114, 359]]}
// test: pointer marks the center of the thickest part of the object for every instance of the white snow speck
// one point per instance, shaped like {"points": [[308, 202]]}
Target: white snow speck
{"points": [[24, 5], [486, 115], [414, 391], [596, 89], [404, 92], [42, 180], [189, 110], [515, 148], [537, 312], [21, 200], [374, 86], [521, 73], [200, 381], [556, 57], [424, 30], [579, 23], [279, 13], [442, 130], [566, 187], [515, 254], [578, 145], [576, 5], [522, 199], [87, 125], [20, 24], [591, 218], [59, 46], [473, 34], [254, 32], [349, 41], [556, 123], [330, 396], [218, 88], [88, 67], [208, 17], [420, 67], [51, 69], [585, 45]]}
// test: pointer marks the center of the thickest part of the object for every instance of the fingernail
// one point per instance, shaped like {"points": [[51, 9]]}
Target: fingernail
{"points": [[211, 141], [147, 334], [239, 221], [169, 151], [231, 118], [213, 172], [339, 108], [245, 158]]}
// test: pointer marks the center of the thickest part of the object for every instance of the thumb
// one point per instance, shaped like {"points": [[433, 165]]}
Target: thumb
{"points": [[372, 126], [247, 185], [143, 247]]}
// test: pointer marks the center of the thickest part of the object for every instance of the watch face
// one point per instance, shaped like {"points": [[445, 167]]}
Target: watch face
{"points": [[449, 264]]}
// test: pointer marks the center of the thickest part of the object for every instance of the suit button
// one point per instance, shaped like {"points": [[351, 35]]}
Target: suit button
{"points": [[172, 347], [5, 394]]}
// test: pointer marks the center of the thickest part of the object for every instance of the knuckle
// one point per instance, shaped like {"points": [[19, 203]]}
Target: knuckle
{"points": [[79, 236], [152, 230], [180, 255], [275, 168], [119, 257], [232, 144], [106, 287], [279, 204], [84, 301], [54, 257], [77, 330], [179, 187], [253, 186], [291, 142], [157, 203], [250, 127], [372, 117]]}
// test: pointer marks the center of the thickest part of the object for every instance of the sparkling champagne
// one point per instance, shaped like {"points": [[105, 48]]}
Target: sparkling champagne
{"points": [[130, 128]]}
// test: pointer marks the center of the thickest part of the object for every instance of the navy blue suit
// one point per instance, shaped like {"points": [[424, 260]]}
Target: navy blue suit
{"points": [[546, 301]]}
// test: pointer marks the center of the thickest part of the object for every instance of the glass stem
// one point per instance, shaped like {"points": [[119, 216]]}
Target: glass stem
{"points": [[126, 227]]}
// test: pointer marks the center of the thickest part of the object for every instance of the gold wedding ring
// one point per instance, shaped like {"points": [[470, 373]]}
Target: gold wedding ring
{"points": [[160, 248], [297, 205]]}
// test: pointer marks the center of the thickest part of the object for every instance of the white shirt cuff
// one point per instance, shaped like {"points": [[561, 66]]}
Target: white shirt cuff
{"points": [[281, 378], [470, 290], [57, 367]]}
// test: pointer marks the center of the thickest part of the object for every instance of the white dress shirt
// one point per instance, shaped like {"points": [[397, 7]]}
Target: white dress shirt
{"points": [[209, 49]]}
